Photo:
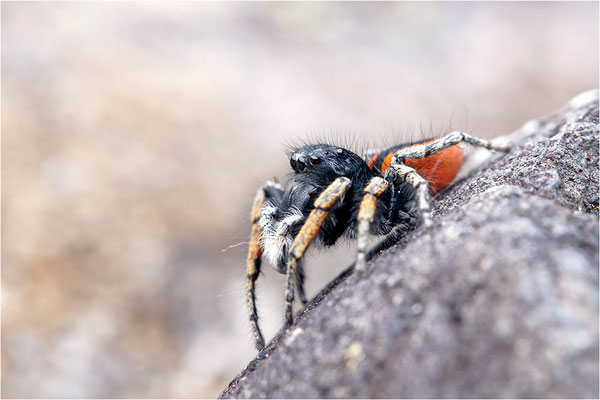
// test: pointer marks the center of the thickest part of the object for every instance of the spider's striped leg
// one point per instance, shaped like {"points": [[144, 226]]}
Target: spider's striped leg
{"points": [[400, 173], [366, 213], [307, 233], [403, 173], [300, 283], [253, 260], [451, 139]]}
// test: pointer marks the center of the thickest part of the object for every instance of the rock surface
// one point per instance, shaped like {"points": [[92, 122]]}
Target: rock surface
{"points": [[499, 299]]}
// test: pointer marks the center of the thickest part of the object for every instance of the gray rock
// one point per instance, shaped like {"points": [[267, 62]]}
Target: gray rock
{"points": [[499, 299]]}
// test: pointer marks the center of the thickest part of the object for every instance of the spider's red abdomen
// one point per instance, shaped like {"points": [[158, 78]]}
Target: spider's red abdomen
{"points": [[439, 169]]}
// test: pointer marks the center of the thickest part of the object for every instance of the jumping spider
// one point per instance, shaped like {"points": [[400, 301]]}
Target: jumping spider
{"points": [[335, 192]]}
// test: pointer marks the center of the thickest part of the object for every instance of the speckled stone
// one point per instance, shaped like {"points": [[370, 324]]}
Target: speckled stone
{"points": [[499, 299]]}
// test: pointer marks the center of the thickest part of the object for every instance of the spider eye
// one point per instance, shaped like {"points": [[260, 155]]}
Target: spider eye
{"points": [[339, 151], [299, 164], [315, 160]]}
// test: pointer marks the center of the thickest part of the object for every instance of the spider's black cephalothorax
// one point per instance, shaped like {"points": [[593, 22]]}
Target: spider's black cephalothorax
{"points": [[315, 167], [334, 192]]}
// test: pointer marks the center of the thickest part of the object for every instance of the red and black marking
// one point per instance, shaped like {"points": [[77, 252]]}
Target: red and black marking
{"points": [[438, 169]]}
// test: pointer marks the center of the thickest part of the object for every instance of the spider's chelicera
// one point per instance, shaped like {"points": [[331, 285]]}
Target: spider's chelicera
{"points": [[335, 192]]}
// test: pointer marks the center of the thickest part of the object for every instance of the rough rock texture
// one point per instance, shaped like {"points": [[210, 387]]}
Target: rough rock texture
{"points": [[499, 299]]}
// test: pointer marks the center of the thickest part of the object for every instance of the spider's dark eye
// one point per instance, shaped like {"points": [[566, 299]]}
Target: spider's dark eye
{"points": [[315, 160], [300, 164]]}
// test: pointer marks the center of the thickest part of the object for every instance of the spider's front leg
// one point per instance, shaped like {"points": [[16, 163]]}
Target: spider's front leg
{"points": [[255, 251], [309, 230]]}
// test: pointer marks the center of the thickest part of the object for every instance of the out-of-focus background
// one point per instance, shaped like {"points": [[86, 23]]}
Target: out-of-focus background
{"points": [[134, 136]]}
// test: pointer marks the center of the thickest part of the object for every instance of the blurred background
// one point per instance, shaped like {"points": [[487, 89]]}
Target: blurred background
{"points": [[134, 137]]}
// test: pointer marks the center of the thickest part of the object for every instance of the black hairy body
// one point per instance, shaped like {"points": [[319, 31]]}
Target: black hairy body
{"points": [[315, 167]]}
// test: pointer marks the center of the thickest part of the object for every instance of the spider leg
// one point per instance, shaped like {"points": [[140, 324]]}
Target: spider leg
{"points": [[366, 213], [307, 233], [451, 139], [300, 283], [253, 260], [400, 172]]}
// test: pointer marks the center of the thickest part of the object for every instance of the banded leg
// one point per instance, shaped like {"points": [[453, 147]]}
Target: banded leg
{"points": [[451, 139], [366, 214], [253, 260], [307, 233], [403, 173], [300, 283]]}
